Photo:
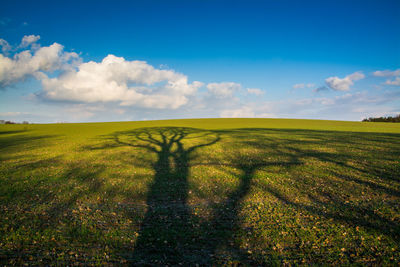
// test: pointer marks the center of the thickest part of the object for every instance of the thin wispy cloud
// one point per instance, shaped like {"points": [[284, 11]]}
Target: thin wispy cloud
{"points": [[386, 73], [255, 91], [303, 85], [224, 89], [321, 89], [395, 81]]}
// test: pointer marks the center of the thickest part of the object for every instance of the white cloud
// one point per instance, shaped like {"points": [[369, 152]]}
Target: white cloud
{"points": [[302, 85], [389, 73], [114, 79], [24, 64], [386, 73], [224, 89], [10, 114], [27, 40], [79, 113], [344, 84], [5, 46], [310, 85], [255, 91], [250, 110], [393, 82], [243, 112], [298, 85], [326, 101]]}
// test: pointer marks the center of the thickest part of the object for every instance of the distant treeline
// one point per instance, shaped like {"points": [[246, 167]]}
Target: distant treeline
{"points": [[384, 119], [12, 122]]}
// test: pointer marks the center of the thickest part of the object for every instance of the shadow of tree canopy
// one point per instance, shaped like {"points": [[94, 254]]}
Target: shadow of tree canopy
{"points": [[165, 230]]}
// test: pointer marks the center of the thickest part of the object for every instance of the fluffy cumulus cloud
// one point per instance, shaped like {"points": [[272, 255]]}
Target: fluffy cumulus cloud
{"points": [[28, 40], [114, 79], [344, 84], [28, 63], [5, 46], [224, 89], [255, 91], [65, 77]]}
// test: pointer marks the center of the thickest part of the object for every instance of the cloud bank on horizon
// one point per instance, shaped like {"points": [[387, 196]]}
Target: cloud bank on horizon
{"points": [[114, 84]]}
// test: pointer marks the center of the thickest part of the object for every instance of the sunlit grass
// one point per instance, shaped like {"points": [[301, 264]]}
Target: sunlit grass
{"points": [[226, 191]]}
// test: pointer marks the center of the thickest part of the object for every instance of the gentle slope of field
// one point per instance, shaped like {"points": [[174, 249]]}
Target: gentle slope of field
{"points": [[206, 191]]}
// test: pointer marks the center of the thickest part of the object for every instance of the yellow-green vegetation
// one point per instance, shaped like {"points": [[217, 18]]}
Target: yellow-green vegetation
{"points": [[206, 191]]}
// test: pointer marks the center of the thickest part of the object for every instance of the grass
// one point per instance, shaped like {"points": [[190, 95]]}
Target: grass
{"points": [[206, 191]]}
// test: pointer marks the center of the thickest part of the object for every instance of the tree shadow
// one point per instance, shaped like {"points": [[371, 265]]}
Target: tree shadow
{"points": [[170, 232], [165, 230]]}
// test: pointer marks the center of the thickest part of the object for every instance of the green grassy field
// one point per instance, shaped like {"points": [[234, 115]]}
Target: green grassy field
{"points": [[206, 191]]}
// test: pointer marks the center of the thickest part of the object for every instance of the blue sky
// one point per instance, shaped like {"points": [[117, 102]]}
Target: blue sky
{"points": [[129, 60]]}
